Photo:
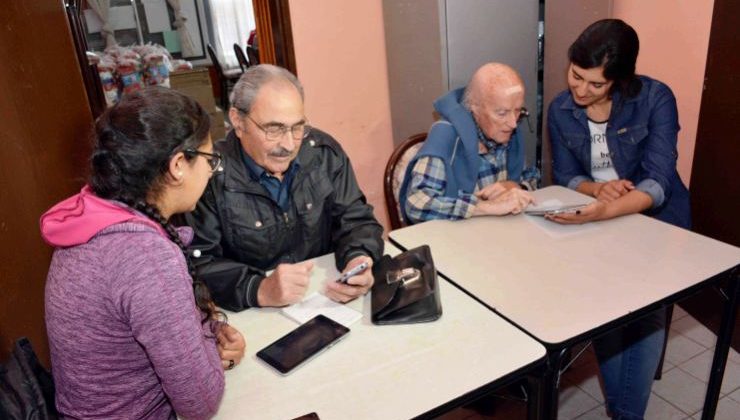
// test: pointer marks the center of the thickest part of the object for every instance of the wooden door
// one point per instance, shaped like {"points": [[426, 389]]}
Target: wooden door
{"points": [[45, 118], [715, 185]]}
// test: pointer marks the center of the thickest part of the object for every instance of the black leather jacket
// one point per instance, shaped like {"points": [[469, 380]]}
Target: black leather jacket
{"points": [[241, 231]]}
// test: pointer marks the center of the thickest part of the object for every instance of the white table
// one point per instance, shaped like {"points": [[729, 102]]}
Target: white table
{"points": [[380, 372], [563, 284]]}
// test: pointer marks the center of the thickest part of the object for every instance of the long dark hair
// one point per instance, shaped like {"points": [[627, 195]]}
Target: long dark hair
{"points": [[613, 44], [134, 143]]}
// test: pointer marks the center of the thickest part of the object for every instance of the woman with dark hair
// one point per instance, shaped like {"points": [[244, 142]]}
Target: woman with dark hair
{"points": [[132, 334], [613, 136]]}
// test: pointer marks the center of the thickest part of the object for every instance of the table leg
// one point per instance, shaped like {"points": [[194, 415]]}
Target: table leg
{"points": [[551, 383], [722, 348], [535, 385]]}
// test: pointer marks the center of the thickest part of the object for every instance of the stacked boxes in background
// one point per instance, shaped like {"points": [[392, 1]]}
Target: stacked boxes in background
{"points": [[197, 84]]}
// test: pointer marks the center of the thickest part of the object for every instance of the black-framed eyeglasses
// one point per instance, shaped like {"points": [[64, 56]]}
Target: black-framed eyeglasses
{"points": [[298, 131], [214, 159]]}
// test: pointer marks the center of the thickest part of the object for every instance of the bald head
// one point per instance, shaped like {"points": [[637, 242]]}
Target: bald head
{"points": [[495, 97], [492, 79]]}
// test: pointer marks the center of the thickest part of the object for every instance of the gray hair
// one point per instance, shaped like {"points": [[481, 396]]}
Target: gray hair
{"points": [[249, 84]]}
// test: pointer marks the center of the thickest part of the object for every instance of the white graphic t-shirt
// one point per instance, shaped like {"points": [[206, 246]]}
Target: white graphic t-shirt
{"points": [[602, 168]]}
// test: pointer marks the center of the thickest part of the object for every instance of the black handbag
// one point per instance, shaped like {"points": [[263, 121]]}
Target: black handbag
{"points": [[406, 290]]}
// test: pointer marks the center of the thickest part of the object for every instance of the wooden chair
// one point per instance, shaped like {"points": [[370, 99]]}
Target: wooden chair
{"points": [[243, 62], [226, 78], [394, 173], [252, 55]]}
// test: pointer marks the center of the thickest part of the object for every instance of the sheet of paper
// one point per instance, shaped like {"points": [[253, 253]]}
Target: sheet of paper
{"points": [[316, 304]]}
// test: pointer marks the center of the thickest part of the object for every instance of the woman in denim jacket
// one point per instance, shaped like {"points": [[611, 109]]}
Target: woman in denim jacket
{"points": [[614, 138]]}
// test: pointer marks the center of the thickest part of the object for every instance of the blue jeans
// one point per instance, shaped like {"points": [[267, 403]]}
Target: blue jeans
{"points": [[628, 358]]}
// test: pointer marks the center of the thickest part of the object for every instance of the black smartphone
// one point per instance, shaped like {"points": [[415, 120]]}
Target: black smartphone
{"points": [[303, 343]]}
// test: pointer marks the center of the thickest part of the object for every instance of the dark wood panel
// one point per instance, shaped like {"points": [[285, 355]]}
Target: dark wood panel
{"points": [[715, 188], [275, 35], [45, 120]]}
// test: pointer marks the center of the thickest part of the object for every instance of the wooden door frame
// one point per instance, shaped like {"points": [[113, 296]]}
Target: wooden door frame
{"points": [[274, 33]]}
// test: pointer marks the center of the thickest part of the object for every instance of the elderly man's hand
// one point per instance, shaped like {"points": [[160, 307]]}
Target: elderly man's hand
{"points": [[491, 191], [512, 201], [286, 285], [356, 285]]}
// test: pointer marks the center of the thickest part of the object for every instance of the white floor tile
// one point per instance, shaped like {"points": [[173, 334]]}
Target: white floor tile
{"points": [[678, 313], [660, 409], [727, 409], [585, 377], [573, 402], [667, 366], [598, 413], [681, 390], [700, 366], [734, 356], [689, 327], [735, 395], [681, 348]]}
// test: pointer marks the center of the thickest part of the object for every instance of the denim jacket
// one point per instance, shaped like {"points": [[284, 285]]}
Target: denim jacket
{"points": [[641, 134]]}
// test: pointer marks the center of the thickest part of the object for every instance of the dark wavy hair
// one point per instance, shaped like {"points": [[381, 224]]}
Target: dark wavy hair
{"points": [[134, 143], [613, 44]]}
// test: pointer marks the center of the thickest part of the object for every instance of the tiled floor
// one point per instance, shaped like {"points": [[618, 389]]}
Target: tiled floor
{"points": [[678, 395]]}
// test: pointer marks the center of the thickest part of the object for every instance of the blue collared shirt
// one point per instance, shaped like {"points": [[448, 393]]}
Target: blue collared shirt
{"points": [[279, 190]]}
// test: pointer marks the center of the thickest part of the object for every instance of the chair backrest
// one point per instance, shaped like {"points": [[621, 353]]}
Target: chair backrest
{"points": [[252, 55], [394, 173], [243, 63], [214, 60]]}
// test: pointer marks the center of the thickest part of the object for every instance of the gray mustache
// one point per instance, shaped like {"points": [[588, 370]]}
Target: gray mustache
{"points": [[280, 152]]}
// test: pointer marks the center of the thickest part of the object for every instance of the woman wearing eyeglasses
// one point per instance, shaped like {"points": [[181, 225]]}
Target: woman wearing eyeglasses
{"points": [[613, 137], [132, 334]]}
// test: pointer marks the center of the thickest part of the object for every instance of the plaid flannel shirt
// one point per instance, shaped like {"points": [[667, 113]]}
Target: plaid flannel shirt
{"points": [[426, 199]]}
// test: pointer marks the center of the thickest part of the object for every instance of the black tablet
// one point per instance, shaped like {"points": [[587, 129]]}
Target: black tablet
{"points": [[303, 343]]}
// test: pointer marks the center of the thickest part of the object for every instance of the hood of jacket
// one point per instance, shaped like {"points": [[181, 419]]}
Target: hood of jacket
{"points": [[450, 107], [77, 219]]}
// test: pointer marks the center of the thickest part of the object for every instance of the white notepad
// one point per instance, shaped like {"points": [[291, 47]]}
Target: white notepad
{"points": [[315, 304]]}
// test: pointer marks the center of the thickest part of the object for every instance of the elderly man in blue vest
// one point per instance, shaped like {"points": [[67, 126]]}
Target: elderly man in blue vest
{"points": [[472, 163]]}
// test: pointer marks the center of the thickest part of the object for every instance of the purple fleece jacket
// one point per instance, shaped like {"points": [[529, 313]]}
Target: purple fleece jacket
{"points": [[125, 335]]}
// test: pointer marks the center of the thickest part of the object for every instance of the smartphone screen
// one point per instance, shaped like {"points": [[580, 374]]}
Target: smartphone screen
{"points": [[303, 343]]}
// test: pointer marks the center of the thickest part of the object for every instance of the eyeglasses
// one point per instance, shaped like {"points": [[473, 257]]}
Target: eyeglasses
{"points": [[503, 114], [277, 131], [214, 159], [519, 114]]}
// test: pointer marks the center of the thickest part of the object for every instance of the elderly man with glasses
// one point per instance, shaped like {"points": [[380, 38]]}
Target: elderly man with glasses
{"points": [[472, 162], [286, 193]]}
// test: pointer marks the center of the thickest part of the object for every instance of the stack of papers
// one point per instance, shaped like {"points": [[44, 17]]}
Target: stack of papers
{"points": [[315, 304]]}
